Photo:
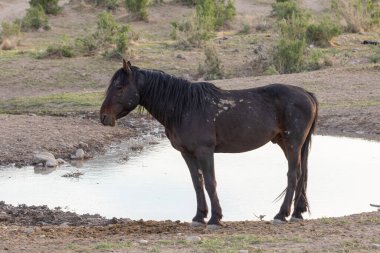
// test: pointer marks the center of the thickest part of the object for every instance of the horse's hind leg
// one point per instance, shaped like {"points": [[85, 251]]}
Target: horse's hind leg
{"points": [[294, 163], [197, 179], [300, 202]]}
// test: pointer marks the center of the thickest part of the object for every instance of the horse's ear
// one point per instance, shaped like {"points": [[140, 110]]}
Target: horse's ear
{"points": [[127, 66]]}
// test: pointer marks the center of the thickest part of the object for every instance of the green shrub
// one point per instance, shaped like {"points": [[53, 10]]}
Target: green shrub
{"points": [[212, 67], [293, 28], [245, 29], [49, 6], [375, 55], [321, 34], [288, 55], [109, 4], [34, 19], [213, 14], [312, 60], [107, 28], [210, 15], [138, 7], [87, 45], [10, 29], [285, 10], [121, 41], [271, 70]]}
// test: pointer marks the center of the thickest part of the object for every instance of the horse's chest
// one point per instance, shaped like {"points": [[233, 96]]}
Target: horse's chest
{"points": [[174, 140]]}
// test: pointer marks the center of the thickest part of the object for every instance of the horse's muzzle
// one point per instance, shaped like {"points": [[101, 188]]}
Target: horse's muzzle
{"points": [[108, 120]]}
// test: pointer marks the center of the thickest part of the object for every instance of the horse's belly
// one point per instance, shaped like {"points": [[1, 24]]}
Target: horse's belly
{"points": [[241, 143]]}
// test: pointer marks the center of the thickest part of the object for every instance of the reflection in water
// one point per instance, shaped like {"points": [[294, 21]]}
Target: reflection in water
{"points": [[155, 183]]}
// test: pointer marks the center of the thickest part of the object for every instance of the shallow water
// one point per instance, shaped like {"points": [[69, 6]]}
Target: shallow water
{"points": [[155, 184]]}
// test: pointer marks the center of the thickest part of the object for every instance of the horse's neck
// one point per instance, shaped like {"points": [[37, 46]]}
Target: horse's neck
{"points": [[162, 112]]}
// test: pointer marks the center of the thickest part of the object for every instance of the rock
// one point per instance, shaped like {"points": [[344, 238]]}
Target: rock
{"points": [[6, 45], [79, 154], [82, 145], [143, 242], [51, 163], [42, 157], [47, 159], [243, 251], [60, 161], [180, 56], [4, 216], [193, 238], [28, 231], [376, 245]]}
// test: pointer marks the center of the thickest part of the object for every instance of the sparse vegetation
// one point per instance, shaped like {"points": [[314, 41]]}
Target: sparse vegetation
{"points": [[49, 6], [321, 34], [212, 67], [109, 4], [55, 104], [9, 29], [210, 16], [58, 50], [375, 55], [359, 15], [35, 19], [138, 8], [286, 9]]}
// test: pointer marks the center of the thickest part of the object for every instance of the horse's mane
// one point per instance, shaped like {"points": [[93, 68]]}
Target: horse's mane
{"points": [[168, 97]]}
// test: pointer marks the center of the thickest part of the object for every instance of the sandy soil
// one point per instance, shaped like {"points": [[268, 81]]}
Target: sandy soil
{"points": [[20, 231]]}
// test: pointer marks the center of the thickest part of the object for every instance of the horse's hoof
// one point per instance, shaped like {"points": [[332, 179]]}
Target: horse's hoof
{"points": [[196, 224], [278, 222], [294, 219], [214, 227]]}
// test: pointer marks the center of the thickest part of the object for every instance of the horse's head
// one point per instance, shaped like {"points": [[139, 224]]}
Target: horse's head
{"points": [[122, 95]]}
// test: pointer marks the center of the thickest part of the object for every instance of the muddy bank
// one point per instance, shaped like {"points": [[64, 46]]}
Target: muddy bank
{"points": [[24, 134]]}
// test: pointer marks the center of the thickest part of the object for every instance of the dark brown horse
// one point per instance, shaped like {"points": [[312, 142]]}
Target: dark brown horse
{"points": [[201, 119]]}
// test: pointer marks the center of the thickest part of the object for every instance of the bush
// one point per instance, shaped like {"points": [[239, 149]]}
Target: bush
{"points": [[293, 28], [375, 56], [321, 34], [107, 28], [285, 10], [213, 14], [288, 55], [313, 59], [212, 67], [138, 7], [10, 29], [87, 45], [34, 19], [360, 15], [49, 6], [109, 4], [58, 51]]}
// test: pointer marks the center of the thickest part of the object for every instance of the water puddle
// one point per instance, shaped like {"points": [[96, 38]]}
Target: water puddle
{"points": [[155, 184]]}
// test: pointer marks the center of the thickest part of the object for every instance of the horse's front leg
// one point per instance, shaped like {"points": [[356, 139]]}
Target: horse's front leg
{"points": [[206, 161], [197, 178]]}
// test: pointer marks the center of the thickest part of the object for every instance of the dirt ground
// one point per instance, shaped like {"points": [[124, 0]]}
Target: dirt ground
{"points": [[348, 92], [37, 229]]}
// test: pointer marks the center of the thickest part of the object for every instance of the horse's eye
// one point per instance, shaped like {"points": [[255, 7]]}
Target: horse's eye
{"points": [[119, 87]]}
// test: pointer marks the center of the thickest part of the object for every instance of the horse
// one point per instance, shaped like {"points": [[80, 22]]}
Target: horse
{"points": [[201, 119]]}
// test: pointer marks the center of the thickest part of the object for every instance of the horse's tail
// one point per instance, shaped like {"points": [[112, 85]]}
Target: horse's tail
{"points": [[301, 199]]}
